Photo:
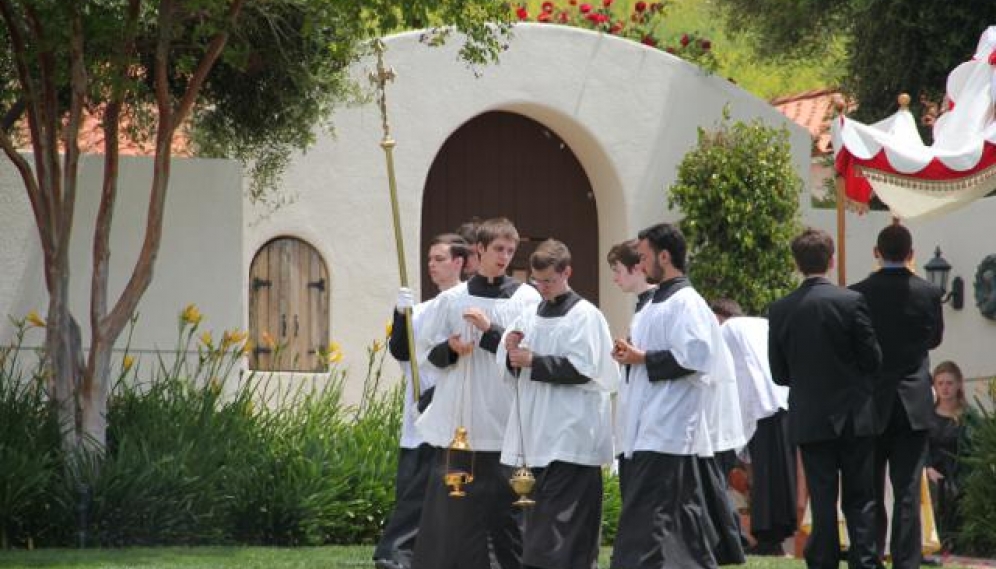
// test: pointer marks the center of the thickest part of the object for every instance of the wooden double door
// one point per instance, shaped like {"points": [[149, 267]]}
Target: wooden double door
{"points": [[288, 307], [505, 164]]}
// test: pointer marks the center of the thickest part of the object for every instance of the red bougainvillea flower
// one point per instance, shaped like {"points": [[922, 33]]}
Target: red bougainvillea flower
{"points": [[562, 17], [521, 13], [547, 7], [705, 44], [616, 28], [656, 7], [585, 8], [606, 3], [684, 40], [649, 40], [670, 50], [543, 17], [992, 58], [640, 6]]}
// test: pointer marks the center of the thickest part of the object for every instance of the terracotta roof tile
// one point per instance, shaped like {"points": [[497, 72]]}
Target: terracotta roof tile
{"points": [[91, 140], [811, 110]]}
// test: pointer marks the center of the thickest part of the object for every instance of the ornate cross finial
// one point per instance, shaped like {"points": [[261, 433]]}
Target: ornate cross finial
{"points": [[381, 77]]}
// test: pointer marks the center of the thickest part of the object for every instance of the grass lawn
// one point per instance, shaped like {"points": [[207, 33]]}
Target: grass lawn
{"points": [[243, 558]]}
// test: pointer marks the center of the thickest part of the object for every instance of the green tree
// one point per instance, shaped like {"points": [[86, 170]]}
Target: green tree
{"points": [[739, 194], [251, 77], [893, 46]]}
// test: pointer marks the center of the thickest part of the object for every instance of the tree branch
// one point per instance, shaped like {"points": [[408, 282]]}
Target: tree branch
{"points": [[109, 189], [13, 114], [40, 200], [142, 274]]}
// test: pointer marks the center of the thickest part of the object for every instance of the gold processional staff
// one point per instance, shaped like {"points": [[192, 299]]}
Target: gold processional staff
{"points": [[380, 78]]}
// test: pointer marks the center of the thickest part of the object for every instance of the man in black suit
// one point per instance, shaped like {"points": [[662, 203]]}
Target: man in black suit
{"points": [[822, 345], [906, 312]]}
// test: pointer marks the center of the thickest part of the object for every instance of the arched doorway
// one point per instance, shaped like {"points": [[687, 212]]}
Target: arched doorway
{"points": [[505, 164], [288, 307]]}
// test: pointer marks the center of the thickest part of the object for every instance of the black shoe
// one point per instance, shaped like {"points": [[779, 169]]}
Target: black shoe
{"points": [[387, 564]]}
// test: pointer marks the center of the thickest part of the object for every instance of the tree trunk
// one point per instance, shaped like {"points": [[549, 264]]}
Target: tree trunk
{"points": [[65, 353]]}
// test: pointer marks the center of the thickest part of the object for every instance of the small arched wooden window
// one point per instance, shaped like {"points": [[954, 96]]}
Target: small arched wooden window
{"points": [[288, 307]]}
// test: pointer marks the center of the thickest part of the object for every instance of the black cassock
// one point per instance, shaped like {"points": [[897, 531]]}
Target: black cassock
{"points": [[773, 484]]}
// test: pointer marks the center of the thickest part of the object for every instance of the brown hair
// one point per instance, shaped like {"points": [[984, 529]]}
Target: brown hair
{"points": [[468, 230], [726, 307], [812, 251], [625, 254], [458, 245], [894, 243], [495, 228], [551, 253]]}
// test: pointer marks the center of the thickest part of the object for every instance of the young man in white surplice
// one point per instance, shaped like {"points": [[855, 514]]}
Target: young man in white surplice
{"points": [[479, 530], [675, 511], [561, 421], [447, 256]]}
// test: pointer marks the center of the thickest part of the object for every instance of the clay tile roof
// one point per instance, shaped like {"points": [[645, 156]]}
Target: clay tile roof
{"points": [[811, 110], [91, 140]]}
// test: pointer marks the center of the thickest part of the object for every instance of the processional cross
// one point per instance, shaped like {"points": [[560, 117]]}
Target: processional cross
{"points": [[380, 78]]}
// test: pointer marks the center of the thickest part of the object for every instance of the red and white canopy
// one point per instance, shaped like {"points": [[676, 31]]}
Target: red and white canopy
{"points": [[916, 180]]}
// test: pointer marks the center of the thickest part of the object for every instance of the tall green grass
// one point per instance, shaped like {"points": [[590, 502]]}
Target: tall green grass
{"points": [[193, 458]]}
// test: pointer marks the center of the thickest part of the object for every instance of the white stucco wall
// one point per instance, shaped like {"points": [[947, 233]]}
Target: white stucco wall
{"points": [[628, 112], [200, 260]]}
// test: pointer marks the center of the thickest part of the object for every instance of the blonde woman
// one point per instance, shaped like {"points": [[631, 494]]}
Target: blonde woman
{"points": [[947, 447]]}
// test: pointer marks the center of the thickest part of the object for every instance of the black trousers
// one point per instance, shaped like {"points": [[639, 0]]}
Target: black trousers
{"points": [[846, 462], [905, 452], [398, 541], [481, 530]]}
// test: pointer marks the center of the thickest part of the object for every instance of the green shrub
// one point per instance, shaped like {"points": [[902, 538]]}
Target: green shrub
{"points": [[611, 505], [739, 194], [978, 509], [29, 447]]}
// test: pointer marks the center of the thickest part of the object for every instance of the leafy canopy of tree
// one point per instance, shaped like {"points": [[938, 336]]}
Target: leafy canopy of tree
{"points": [[739, 194], [892, 46], [252, 77]]}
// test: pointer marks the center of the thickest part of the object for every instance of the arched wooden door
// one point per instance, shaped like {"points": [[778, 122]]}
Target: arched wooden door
{"points": [[504, 164], [288, 307]]}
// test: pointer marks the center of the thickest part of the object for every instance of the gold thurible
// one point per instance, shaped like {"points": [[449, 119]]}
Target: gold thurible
{"points": [[522, 482], [380, 78], [455, 477]]}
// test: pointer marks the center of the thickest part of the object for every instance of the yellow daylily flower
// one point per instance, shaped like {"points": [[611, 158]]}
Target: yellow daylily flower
{"points": [[127, 363], [377, 346], [35, 320], [191, 315], [335, 357], [267, 340], [232, 337], [207, 340], [388, 329]]}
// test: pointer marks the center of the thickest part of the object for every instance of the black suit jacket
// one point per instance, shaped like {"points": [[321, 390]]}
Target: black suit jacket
{"points": [[908, 319], [822, 345]]}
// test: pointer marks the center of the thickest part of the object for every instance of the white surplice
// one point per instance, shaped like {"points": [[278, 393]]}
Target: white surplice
{"points": [[473, 393], [697, 414], [760, 397], [560, 422]]}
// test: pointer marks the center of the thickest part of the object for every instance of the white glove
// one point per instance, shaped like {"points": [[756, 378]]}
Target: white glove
{"points": [[406, 299]]}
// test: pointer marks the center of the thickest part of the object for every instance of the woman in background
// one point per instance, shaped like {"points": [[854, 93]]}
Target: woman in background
{"points": [[947, 447]]}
